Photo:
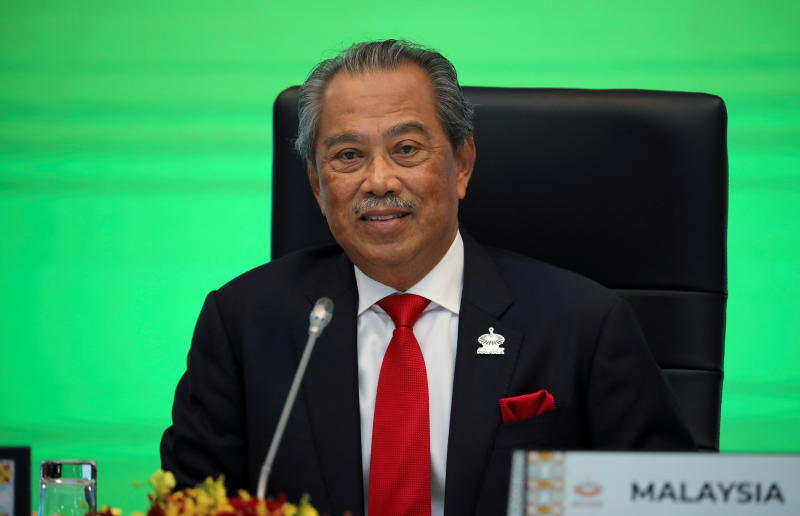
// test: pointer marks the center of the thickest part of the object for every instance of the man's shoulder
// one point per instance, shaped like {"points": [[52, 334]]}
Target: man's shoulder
{"points": [[285, 273], [531, 278]]}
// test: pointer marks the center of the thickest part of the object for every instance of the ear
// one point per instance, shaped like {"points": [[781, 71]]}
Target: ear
{"points": [[314, 180], [465, 162]]}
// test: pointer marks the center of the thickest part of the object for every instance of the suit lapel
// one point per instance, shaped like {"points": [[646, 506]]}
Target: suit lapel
{"points": [[479, 380], [331, 389]]}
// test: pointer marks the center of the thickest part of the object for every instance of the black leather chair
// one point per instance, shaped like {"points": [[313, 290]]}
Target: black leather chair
{"points": [[626, 187]]}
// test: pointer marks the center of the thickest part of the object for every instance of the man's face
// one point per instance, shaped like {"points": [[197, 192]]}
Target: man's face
{"points": [[387, 177]]}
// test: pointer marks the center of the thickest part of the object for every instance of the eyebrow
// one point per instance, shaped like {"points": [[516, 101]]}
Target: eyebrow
{"points": [[407, 127], [396, 130], [338, 138]]}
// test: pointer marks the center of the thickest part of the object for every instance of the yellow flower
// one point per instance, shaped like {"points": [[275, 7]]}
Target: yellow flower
{"points": [[115, 511], [261, 508], [204, 501], [171, 510], [209, 498], [307, 510], [189, 507], [163, 482]]}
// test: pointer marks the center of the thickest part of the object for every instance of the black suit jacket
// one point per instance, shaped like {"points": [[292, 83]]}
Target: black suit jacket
{"points": [[563, 333]]}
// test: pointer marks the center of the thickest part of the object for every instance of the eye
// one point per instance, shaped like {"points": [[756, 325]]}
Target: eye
{"points": [[346, 160], [347, 155], [406, 150], [409, 153]]}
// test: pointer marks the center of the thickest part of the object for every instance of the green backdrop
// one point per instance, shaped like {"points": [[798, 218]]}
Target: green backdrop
{"points": [[135, 176]]}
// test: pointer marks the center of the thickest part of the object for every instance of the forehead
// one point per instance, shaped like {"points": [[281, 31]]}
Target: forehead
{"points": [[375, 100]]}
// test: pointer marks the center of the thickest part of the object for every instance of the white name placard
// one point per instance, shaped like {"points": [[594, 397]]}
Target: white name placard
{"points": [[653, 484]]}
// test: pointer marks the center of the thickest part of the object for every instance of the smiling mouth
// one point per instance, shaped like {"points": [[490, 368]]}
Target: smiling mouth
{"points": [[384, 217]]}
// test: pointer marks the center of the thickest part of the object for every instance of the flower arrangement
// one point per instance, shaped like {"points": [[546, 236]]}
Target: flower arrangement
{"points": [[210, 499]]}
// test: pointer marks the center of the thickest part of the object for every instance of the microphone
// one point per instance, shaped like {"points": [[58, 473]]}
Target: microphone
{"points": [[318, 319], [320, 315]]}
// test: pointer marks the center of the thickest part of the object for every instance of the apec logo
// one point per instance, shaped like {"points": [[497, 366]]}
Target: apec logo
{"points": [[588, 489], [588, 495]]}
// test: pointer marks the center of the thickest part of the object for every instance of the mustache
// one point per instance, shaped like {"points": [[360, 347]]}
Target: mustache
{"points": [[384, 201]]}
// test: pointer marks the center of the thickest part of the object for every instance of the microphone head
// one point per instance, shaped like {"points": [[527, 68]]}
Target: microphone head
{"points": [[320, 315]]}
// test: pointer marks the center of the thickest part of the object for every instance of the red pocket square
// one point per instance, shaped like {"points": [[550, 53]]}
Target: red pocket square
{"points": [[518, 408]]}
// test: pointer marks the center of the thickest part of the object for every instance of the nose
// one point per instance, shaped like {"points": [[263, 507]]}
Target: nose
{"points": [[381, 177]]}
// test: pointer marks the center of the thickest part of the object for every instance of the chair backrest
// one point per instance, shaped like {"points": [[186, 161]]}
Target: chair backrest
{"points": [[627, 187]]}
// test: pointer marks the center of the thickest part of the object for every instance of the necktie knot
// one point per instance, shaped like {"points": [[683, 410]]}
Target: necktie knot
{"points": [[404, 309]]}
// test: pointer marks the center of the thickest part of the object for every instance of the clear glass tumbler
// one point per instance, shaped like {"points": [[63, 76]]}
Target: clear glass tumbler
{"points": [[68, 488]]}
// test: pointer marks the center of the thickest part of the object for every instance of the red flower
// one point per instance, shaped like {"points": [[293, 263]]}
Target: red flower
{"points": [[274, 505]]}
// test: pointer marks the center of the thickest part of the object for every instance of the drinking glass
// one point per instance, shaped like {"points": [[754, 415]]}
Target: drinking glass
{"points": [[68, 488]]}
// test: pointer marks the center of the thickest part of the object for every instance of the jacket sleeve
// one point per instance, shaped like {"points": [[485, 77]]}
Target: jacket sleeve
{"points": [[207, 433], [629, 404]]}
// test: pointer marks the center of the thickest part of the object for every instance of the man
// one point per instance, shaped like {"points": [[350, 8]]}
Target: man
{"points": [[412, 403]]}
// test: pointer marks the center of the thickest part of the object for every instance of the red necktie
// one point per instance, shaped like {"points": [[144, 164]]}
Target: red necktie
{"points": [[400, 462]]}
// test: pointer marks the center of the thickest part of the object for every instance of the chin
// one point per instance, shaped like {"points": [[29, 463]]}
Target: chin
{"points": [[386, 257], [386, 260]]}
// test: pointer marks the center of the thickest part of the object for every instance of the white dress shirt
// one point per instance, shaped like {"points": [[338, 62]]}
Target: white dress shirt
{"points": [[436, 331]]}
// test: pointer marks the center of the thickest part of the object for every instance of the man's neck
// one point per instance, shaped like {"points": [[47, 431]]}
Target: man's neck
{"points": [[404, 275], [442, 285]]}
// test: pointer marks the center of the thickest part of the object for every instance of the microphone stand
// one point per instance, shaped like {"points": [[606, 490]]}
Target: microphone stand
{"points": [[320, 316]]}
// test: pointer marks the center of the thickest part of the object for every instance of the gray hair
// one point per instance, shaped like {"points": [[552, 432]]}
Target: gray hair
{"points": [[453, 109]]}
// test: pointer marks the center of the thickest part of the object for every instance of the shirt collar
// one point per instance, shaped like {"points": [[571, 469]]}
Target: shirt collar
{"points": [[442, 285]]}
